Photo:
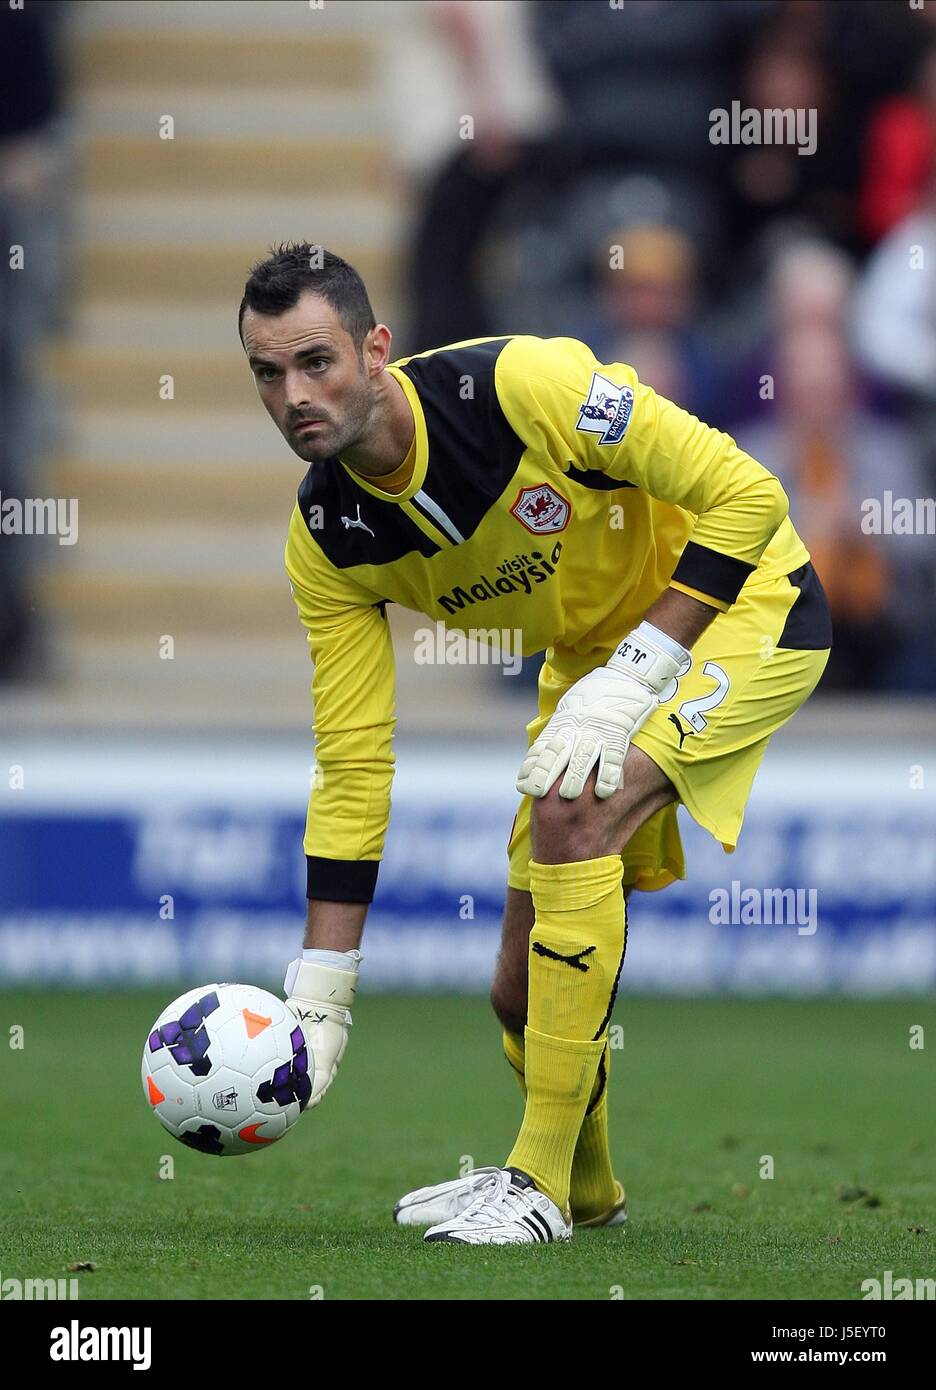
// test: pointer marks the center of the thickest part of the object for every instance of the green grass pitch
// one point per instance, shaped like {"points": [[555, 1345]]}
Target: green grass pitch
{"points": [[700, 1091]]}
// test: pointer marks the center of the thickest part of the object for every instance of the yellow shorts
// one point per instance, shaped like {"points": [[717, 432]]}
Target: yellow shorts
{"points": [[751, 670]]}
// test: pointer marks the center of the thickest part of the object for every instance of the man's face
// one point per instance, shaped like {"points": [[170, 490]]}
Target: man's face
{"points": [[310, 376]]}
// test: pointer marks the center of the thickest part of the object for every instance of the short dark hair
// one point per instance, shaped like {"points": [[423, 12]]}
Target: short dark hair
{"points": [[274, 285]]}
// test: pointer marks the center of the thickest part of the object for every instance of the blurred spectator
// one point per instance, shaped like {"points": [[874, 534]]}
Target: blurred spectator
{"points": [[810, 285], [900, 152], [31, 168], [635, 101], [842, 60], [832, 457], [895, 308], [498, 86], [771, 181], [874, 50], [882, 56], [805, 281], [647, 316], [895, 320], [638, 81]]}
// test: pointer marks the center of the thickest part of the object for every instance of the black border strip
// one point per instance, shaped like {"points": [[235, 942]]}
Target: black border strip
{"points": [[710, 572], [341, 880]]}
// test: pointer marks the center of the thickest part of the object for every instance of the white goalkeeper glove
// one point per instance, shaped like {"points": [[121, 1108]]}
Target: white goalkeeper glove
{"points": [[597, 716], [321, 998]]}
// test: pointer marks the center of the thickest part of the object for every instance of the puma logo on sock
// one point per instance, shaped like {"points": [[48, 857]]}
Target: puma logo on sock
{"points": [[575, 960]]}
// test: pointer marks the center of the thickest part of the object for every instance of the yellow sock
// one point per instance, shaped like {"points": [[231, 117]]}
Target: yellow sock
{"points": [[513, 1051], [576, 950], [592, 1186]]}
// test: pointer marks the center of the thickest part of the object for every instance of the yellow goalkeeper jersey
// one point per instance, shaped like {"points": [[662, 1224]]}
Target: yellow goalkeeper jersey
{"points": [[551, 494]]}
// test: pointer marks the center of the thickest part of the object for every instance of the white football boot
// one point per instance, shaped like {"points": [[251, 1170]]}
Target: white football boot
{"points": [[507, 1210], [428, 1206], [431, 1206]]}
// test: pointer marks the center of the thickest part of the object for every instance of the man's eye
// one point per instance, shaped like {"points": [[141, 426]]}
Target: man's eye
{"points": [[318, 361], [266, 373]]}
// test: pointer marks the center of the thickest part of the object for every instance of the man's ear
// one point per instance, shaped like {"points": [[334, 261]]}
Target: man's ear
{"points": [[377, 348]]}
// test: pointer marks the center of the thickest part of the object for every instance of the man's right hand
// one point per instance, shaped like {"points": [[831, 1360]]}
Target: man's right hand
{"points": [[321, 999]]}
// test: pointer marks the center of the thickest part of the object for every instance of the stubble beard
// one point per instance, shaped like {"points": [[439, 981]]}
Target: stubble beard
{"points": [[318, 447]]}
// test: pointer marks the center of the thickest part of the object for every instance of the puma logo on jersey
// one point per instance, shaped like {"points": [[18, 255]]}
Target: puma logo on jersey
{"points": [[348, 522], [575, 959]]}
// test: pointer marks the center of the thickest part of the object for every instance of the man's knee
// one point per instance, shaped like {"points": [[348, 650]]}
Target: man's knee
{"points": [[564, 831]]}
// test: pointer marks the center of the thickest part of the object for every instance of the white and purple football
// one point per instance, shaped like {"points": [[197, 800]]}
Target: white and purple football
{"points": [[226, 1069]]}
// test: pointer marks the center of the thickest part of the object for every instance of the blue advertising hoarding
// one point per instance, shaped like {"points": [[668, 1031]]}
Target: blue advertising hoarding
{"points": [[135, 865]]}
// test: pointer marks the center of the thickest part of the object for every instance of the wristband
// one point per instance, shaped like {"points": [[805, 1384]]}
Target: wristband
{"points": [[651, 656]]}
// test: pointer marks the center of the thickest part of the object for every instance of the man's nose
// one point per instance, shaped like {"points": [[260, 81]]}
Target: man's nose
{"points": [[297, 390]]}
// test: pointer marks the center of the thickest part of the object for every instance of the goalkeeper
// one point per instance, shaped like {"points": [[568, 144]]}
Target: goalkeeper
{"points": [[518, 483]]}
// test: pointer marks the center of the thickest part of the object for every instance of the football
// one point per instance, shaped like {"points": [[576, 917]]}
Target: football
{"points": [[226, 1069]]}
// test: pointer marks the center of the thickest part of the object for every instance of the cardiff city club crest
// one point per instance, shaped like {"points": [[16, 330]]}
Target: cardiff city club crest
{"points": [[607, 410], [542, 509]]}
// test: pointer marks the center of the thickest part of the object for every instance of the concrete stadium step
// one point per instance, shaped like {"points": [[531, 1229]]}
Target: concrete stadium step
{"points": [[110, 324], [204, 382], [200, 114], [275, 58], [186, 547], [280, 664], [118, 166], [244, 16], [120, 605], [363, 221], [180, 489], [137, 439], [164, 271]]}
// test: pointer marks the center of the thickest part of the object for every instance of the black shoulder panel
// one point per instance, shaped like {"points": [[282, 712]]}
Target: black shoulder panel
{"points": [[473, 450], [351, 526]]}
